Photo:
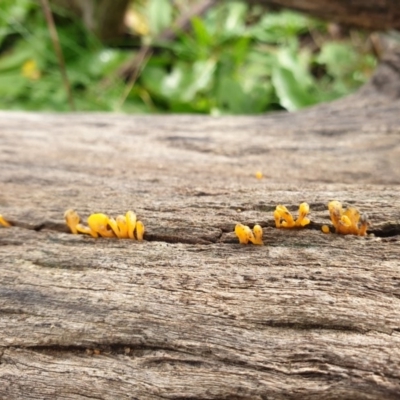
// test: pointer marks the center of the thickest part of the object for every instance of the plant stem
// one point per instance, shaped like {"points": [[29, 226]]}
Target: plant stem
{"points": [[57, 48]]}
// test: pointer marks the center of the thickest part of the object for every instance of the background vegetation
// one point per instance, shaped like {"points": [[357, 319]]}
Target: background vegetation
{"points": [[234, 59]]}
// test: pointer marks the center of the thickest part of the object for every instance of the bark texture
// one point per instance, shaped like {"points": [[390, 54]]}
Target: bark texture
{"points": [[103, 17], [370, 14], [189, 313]]}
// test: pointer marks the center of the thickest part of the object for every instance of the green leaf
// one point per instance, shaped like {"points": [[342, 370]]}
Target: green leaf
{"points": [[235, 20], [226, 20], [203, 38], [290, 92], [159, 15], [15, 59], [12, 84], [15, 11], [297, 63], [201, 78], [185, 81], [173, 84], [240, 49], [99, 63], [339, 58], [281, 27], [230, 95], [152, 78]]}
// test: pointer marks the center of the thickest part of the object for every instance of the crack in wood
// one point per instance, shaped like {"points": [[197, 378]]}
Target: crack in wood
{"points": [[388, 230], [313, 327], [154, 355]]}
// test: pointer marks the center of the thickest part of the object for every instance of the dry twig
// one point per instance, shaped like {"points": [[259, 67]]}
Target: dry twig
{"points": [[57, 48]]}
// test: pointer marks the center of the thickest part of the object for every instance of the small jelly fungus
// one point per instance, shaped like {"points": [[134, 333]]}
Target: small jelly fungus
{"points": [[139, 230], [258, 233], [245, 234], [363, 225], [119, 226], [72, 219], [335, 211], [98, 223], [114, 227], [347, 222], [122, 227], [302, 220], [4, 222], [131, 223], [325, 229], [85, 229], [284, 219], [259, 175], [241, 233]]}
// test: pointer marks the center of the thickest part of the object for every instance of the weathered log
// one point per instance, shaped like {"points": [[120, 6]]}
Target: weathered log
{"points": [[370, 14], [189, 313]]}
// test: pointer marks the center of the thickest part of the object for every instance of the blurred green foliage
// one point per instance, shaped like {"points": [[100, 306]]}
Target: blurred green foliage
{"points": [[234, 60]]}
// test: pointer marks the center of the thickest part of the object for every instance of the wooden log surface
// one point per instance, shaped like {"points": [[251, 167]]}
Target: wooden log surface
{"points": [[189, 313], [370, 14]]}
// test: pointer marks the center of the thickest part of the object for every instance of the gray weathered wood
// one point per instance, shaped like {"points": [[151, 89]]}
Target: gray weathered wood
{"points": [[189, 313]]}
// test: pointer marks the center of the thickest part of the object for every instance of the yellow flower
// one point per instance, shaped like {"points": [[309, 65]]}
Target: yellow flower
{"points": [[30, 70], [137, 22]]}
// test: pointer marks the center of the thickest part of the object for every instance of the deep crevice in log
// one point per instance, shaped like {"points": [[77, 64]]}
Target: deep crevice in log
{"points": [[311, 327], [387, 230]]}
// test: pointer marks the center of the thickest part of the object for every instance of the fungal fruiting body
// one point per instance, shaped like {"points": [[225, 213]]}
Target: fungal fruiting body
{"points": [[131, 223], [139, 230], [123, 227], [243, 233], [258, 234], [72, 219], [346, 222], [246, 235], [3, 222], [259, 175], [325, 229], [284, 219], [98, 225]]}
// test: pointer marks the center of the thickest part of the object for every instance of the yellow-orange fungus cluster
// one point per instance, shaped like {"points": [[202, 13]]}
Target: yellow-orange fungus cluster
{"points": [[4, 222], [246, 235], [346, 222], [123, 227], [284, 219]]}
